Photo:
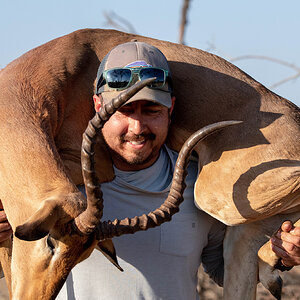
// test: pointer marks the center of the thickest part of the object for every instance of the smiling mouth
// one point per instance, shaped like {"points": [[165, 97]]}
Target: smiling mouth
{"points": [[137, 145], [138, 140], [141, 142]]}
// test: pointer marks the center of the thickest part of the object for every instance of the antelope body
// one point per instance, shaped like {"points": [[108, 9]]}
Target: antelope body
{"points": [[249, 173]]}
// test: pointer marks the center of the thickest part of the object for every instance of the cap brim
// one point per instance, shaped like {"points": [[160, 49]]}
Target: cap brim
{"points": [[157, 96]]}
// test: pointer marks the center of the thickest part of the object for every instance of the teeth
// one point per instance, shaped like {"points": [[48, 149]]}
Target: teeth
{"points": [[137, 142]]}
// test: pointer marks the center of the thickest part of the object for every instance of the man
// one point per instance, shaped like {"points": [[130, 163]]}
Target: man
{"points": [[160, 263]]}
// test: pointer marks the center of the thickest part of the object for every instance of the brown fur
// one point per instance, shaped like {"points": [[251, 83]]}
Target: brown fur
{"points": [[248, 172]]}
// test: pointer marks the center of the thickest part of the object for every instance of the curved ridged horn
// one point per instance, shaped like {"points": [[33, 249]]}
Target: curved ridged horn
{"points": [[171, 205], [87, 221]]}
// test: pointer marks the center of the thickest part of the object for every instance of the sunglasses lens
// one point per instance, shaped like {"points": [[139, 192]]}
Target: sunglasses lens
{"points": [[118, 78], [146, 73]]}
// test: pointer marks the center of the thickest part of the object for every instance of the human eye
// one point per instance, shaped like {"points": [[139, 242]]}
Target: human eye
{"points": [[153, 109], [125, 110]]}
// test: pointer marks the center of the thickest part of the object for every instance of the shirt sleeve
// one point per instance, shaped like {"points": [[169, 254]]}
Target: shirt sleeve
{"points": [[212, 255]]}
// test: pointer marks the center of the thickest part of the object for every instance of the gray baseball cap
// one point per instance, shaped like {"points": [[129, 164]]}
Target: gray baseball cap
{"points": [[135, 54]]}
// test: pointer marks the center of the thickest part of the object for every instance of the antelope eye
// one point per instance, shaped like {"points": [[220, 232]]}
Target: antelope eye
{"points": [[50, 243]]}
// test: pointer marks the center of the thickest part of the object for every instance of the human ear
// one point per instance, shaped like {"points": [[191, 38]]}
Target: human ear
{"points": [[172, 106], [97, 102]]}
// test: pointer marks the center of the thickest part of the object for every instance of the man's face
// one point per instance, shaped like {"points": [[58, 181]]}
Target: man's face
{"points": [[135, 134]]}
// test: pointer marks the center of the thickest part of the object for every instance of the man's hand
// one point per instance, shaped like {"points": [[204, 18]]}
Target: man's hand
{"points": [[5, 228], [286, 244]]}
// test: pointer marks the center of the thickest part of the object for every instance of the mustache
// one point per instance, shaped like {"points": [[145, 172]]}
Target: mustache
{"points": [[137, 137]]}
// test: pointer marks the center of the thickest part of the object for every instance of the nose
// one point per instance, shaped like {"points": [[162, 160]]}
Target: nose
{"points": [[136, 125]]}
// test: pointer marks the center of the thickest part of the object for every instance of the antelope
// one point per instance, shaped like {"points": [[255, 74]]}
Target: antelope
{"points": [[249, 173]]}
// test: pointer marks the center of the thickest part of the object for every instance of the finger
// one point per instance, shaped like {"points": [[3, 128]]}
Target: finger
{"points": [[287, 226], [285, 250], [291, 238], [290, 262], [4, 235], [286, 260], [3, 217], [279, 251], [1, 206], [295, 231]]}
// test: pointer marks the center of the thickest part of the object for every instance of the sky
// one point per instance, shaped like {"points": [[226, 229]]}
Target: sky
{"points": [[230, 29]]}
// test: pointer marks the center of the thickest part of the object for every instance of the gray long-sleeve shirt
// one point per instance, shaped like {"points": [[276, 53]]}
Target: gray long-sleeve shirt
{"points": [[162, 262]]}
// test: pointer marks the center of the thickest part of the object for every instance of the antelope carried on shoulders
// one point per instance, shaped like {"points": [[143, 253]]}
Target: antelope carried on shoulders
{"points": [[249, 172]]}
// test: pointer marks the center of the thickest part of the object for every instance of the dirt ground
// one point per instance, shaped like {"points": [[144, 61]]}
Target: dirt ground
{"points": [[290, 291], [210, 291]]}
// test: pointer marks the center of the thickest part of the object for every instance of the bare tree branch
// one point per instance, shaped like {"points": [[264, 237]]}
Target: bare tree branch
{"points": [[275, 60], [184, 21], [274, 85], [115, 21], [212, 47]]}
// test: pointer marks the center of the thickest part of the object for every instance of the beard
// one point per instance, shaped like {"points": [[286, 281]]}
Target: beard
{"points": [[138, 158], [135, 161]]}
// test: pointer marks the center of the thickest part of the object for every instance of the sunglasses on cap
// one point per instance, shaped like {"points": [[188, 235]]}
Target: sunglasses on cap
{"points": [[121, 78]]}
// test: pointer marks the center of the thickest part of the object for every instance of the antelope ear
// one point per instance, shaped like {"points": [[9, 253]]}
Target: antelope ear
{"points": [[108, 250], [40, 223]]}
